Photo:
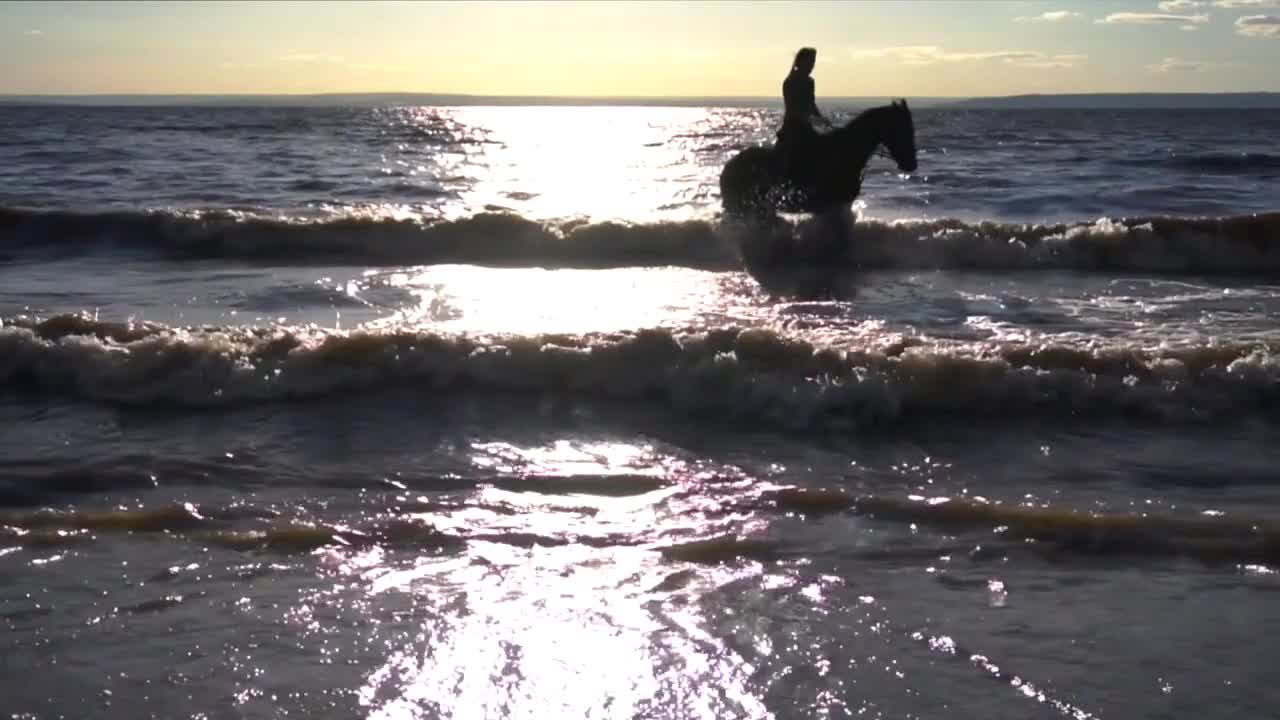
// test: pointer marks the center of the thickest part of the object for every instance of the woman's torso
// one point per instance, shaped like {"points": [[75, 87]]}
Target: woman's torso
{"points": [[797, 99]]}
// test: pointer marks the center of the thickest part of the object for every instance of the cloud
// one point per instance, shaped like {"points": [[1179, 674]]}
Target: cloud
{"points": [[374, 67], [1180, 6], [1171, 64], [304, 57], [1132, 18], [1246, 4], [1267, 26], [1054, 62], [238, 66], [33, 33], [931, 54], [1052, 16]]}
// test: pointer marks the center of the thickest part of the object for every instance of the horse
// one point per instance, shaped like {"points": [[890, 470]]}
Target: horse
{"points": [[752, 182], [754, 188]]}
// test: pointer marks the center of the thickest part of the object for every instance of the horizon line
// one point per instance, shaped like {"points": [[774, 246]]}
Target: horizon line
{"points": [[1245, 100], [574, 96]]}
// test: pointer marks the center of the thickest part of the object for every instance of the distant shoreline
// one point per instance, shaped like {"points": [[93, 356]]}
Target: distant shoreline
{"points": [[1113, 101]]}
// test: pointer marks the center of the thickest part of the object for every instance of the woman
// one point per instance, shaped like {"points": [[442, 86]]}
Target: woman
{"points": [[797, 136]]}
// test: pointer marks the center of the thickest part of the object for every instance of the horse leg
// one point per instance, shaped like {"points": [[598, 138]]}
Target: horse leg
{"points": [[762, 237], [748, 200], [825, 239], [841, 220]]}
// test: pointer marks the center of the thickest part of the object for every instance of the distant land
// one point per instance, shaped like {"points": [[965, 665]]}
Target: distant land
{"points": [[1124, 101], [437, 99], [1106, 101]]}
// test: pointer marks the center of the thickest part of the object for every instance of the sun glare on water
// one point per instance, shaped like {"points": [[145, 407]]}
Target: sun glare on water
{"points": [[598, 162], [458, 298], [569, 630]]}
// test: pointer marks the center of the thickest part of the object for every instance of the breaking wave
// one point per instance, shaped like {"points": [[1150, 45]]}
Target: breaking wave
{"points": [[1248, 244], [731, 375]]}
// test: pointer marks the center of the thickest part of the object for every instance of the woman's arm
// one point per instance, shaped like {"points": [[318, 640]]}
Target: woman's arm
{"points": [[813, 104]]}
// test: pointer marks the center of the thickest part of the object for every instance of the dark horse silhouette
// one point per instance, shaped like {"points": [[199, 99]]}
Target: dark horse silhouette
{"points": [[752, 182], [754, 189]]}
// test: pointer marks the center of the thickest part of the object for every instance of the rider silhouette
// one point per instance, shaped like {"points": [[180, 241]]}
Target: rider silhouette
{"points": [[797, 137]]}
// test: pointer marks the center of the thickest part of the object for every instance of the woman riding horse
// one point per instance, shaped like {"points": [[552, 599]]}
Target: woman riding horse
{"points": [[797, 138], [754, 189], [752, 181]]}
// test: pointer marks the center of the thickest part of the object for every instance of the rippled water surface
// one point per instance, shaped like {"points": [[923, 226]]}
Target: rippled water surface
{"points": [[474, 412]]}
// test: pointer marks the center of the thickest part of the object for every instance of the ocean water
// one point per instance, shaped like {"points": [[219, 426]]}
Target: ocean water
{"points": [[413, 412]]}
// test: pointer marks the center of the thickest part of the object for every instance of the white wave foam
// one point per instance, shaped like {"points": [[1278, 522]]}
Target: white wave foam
{"points": [[1243, 244], [750, 375]]}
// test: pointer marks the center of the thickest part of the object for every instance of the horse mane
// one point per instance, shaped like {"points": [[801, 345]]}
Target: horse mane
{"points": [[866, 114], [871, 113]]}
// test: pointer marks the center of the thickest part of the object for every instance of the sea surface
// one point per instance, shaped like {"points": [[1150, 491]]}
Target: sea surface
{"points": [[470, 412]]}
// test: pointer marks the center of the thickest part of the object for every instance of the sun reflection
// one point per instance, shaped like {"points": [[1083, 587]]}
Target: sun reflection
{"points": [[547, 628], [531, 645], [569, 161], [565, 458], [529, 301], [559, 162]]}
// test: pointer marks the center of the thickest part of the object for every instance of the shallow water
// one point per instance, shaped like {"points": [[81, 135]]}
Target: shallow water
{"points": [[280, 438]]}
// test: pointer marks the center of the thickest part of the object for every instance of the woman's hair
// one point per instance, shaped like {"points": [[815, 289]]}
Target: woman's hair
{"points": [[802, 54]]}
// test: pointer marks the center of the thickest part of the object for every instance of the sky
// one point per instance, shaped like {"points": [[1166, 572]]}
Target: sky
{"points": [[643, 48]]}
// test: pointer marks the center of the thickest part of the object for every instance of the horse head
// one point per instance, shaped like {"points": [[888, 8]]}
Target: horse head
{"points": [[899, 136]]}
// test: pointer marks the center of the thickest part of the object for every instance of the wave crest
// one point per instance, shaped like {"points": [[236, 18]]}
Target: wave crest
{"points": [[752, 375], [488, 238], [1227, 245]]}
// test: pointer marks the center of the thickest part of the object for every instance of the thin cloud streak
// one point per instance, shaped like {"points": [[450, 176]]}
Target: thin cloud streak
{"points": [[1173, 64], [1132, 18], [932, 54], [1263, 26], [304, 57], [1052, 16], [1180, 6], [1247, 4]]}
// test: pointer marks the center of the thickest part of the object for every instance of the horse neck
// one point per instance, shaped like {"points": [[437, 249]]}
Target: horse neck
{"points": [[862, 135]]}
